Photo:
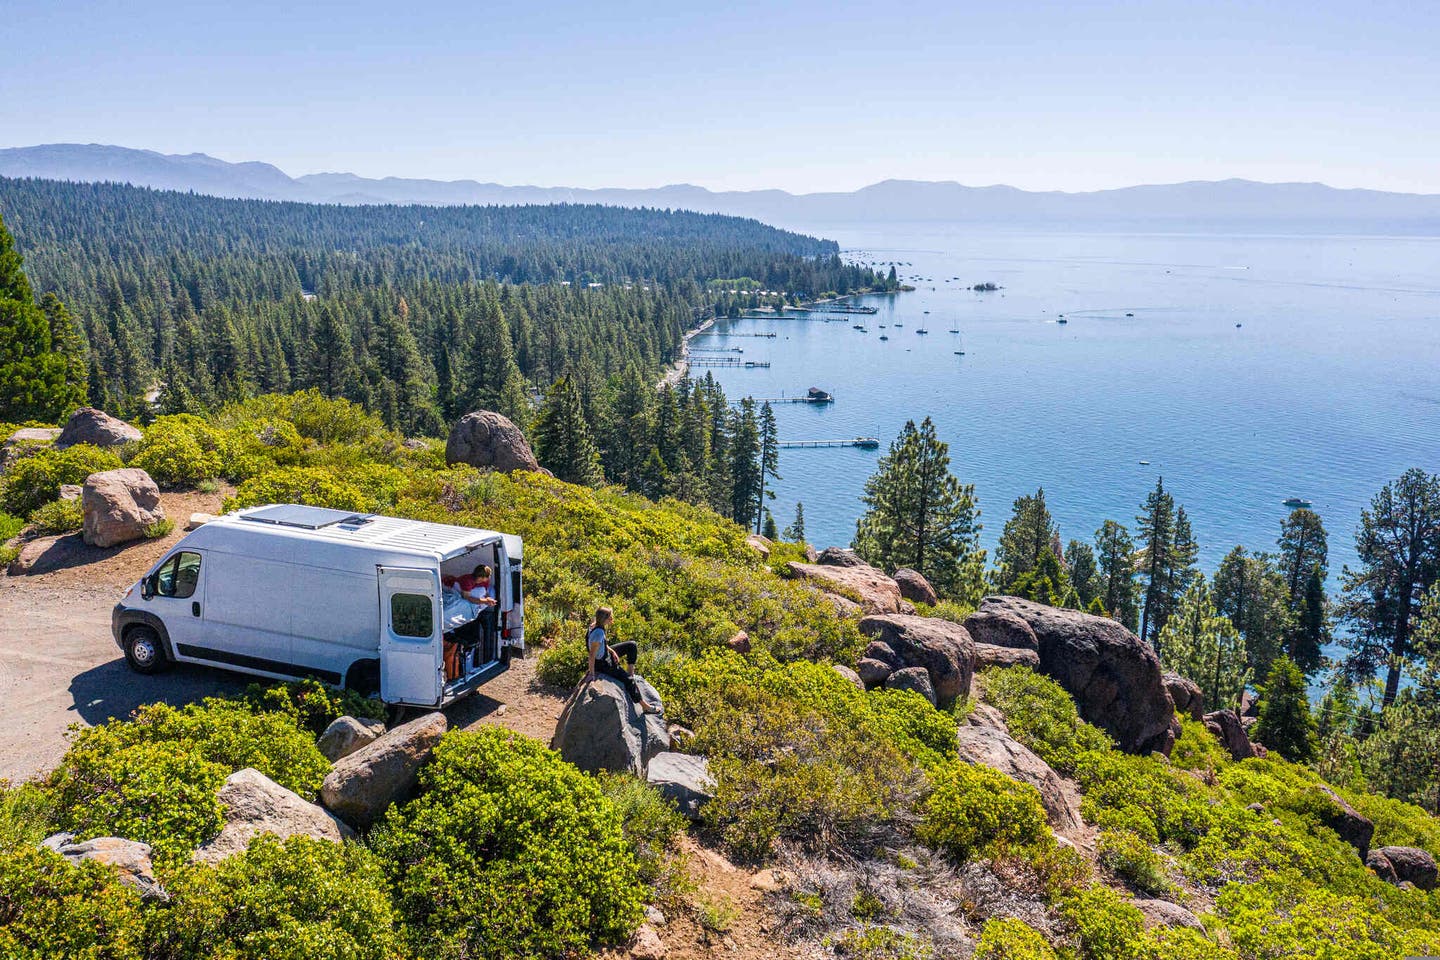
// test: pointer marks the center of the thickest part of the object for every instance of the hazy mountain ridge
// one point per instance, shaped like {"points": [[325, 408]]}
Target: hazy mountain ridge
{"points": [[889, 200]]}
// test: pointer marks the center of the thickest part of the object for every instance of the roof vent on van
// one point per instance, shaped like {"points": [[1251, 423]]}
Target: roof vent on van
{"points": [[305, 518]]}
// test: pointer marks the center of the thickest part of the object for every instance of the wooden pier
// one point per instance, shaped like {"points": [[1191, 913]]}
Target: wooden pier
{"points": [[728, 362], [792, 400], [836, 308], [864, 443], [767, 336]]}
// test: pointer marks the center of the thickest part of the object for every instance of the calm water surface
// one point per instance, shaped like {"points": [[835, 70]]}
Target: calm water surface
{"points": [[1328, 387]]}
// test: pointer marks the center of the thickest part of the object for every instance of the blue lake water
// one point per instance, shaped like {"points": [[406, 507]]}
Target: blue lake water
{"points": [[1329, 388]]}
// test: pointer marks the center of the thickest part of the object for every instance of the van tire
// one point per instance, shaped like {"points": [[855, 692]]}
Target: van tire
{"points": [[363, 678], [144, 650]]}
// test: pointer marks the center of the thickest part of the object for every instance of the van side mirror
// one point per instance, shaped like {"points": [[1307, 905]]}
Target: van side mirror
{"points": [[147, 587]]}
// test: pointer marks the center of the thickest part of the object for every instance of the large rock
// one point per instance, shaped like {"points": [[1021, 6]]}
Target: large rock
{"points": [[943, 648], [1405, 864], [849, 675], [1001, 628], [24, 441], [872, 672], [345, 735], [877, 592], [119, 505], [1188, 698], [1346, 821], [984, 739], [489, 440], [255, 804], [759, 544], [683, 778], [989, 655], [912, 678], [914, 587], [1163, 913], [601, 728], [1113, 676], [882, 651], [839, 557], [1226, 726], [129, 858], [360, 787], [97, 428]]}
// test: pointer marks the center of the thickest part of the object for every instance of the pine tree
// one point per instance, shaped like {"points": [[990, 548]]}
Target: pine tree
{"points": [[1398, 544], [33, 378], [1115, 563], [1046, 582], [1285, 725], [1250, 591], [1027, 534], [1205, 647], [627, 438], [795, 533], [918, 515], [563, 444], [514, 401], [1157, 538], [331, 366], [768, 530], [491, 360], [745, 466], [1304, 562], [769, 457], [1084, 575], [67, 340]]}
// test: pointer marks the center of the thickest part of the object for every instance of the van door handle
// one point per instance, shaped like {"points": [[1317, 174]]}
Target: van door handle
{"points": [[195, 608]]}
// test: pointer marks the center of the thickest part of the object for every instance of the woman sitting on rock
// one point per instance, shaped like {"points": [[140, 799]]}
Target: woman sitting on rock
{"points": [[605, 656]]}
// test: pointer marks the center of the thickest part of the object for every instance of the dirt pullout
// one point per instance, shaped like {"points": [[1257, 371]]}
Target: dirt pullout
{"points": [[58, 663]]}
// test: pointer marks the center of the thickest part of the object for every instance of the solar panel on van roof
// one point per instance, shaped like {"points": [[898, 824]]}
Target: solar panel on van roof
{"points": [[306, 518]]}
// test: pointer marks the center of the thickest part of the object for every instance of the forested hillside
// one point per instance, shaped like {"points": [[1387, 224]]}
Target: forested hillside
{"points": [[414, 312]]}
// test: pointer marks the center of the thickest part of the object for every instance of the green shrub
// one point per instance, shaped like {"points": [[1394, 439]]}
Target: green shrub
{"points": [[1196, 749], [158, 529], [1182, 943], [974, 810], [10, 526], [1397, 823], [50, 909], [1042, 716], [1059, 869], [58, 516], [184, 450], [27, 812], [311, 704], [1104, 926], [315, 486], [1280, 918], [1005, 938], [508, 852], [872, 942], [1143, 795], [563, 663], [37, 479], [651, 822], [8, 554], [303, 899], [1135, 861]]}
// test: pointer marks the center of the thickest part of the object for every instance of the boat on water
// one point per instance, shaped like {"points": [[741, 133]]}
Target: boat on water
{"points": [[1144, 463], [922, 330], [867, 443], [959, 353], [1062, 321], [884, 337], [816, 395], [954, 330], [857, 326], [1296, 503]]}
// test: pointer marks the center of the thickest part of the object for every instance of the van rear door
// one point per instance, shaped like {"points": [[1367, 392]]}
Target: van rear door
{"points": [[411, 667]]}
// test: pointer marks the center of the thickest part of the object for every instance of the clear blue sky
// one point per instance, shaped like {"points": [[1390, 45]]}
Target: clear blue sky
{"points": [[802, 96]]}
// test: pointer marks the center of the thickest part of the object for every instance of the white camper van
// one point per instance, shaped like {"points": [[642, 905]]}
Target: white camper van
{"points": [[358, 600]]}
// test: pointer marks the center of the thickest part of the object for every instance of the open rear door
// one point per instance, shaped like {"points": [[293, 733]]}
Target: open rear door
{"points": [[411, 666]]}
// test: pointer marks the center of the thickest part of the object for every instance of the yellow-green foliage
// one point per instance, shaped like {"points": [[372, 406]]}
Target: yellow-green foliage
{"points": [[1397, 823], [58, 516], [311, 704], [1135, 861], [153, 778], [1281, 917], [871, 942], [508, 852], [37, 479], [976, 810], [183, 450], [1197, 750], [50, 909], [302, 899], [1143, 795], [1005, 938], [1104, 926], [26, 812], [1042, 716]]}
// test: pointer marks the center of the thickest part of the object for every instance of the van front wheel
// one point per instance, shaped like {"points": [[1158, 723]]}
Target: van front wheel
{"points": [[144, 651]]}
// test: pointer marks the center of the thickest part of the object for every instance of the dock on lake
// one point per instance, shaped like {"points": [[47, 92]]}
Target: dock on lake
{"points": [[727, 362], [767, 336], [835, 308], [864, 443]]}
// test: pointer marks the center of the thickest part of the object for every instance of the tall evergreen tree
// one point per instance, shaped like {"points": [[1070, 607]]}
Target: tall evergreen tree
{"points": [[1304, 562], [745, 467], [769, 457], [33, 384], [1027, 534], [563, 443], [67, 340], [1285, 724], [1157, 539], [1198, 643], [1115, 563], [795, 533], [1084, 574], [918, 515], [1250, 591], [1398, 544]]}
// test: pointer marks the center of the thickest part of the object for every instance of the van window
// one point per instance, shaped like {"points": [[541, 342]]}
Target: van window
{"points": [[411, 615], [178, 577]]}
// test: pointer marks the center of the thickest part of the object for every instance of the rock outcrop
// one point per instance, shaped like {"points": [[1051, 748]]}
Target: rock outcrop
{"points": [[984, 739], [491, 441], [850, 675], [254, 804], [22, 442], [97, 428], [839, 557], [877, 593], [345, 735], [1403, 865], [683, 778], [1113, 676], [1163, 913], [914, 587], [989, 655], [759, 544], [129, 858], [1187, 696], [912, 678], [1226, 726], [602, 728], [118, 506], [360, 787], [999, 627], [1346, 821], [943, 648]]}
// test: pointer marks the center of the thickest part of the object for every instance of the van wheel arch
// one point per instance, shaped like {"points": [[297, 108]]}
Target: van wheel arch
{"points": [[145, 649], [363, 677]]}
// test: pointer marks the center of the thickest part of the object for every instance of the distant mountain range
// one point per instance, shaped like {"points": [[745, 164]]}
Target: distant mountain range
{"points": [[1305, 205]]}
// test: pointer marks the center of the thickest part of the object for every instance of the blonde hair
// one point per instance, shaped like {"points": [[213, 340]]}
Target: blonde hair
{"points": [[603, 616]]}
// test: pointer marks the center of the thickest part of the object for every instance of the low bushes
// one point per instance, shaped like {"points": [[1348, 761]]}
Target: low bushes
{"points": [[1005, 938], [183, 450], [51, 909], [974, 810], [1042, 716], [1135, 861], [58, 516], [36, 480], [508, 852]]}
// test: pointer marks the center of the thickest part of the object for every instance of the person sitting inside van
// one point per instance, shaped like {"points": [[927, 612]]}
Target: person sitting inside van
{"points": [[605, 657]]}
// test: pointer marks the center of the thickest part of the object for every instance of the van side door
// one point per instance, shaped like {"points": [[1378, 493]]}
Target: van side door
{"points": [[411, 666], [177, 597]]}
